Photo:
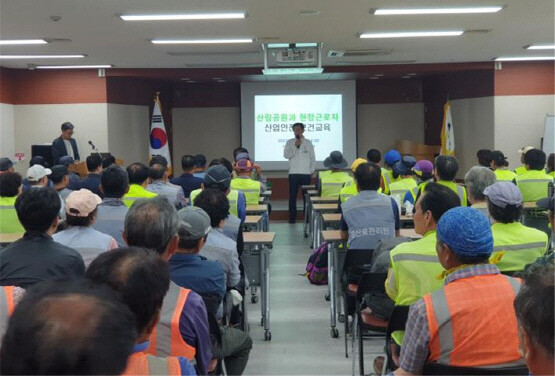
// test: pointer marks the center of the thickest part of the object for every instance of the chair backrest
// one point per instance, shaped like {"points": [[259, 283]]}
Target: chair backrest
{"points": [[355, 264], [397, 320], [440, 369], [371, 283]]}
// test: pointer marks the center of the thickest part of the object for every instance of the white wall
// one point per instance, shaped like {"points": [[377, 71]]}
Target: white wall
{"points": [[128, 132], [7, 137], [380, 125], [212, 131], [40, 124], [519, 121], [473, 121]]}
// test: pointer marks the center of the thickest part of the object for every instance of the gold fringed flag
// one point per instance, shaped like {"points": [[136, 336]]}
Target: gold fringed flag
{"points": [[447, 132], [158, 136]]}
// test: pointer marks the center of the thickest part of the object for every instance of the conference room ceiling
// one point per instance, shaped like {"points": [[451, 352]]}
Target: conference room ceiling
{"points": [[93, 28]]}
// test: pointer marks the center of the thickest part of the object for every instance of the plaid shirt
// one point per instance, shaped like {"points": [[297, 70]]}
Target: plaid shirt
{"points": [[415, 351]]}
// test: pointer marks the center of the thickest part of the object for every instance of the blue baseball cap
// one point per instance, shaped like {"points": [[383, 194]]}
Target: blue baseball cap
{"points": [[392, 157]]}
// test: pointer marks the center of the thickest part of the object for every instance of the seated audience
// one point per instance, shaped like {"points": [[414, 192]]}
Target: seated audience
{"points": [[10, 188], [484, 157], [369, 216], [9, 298], [534, 315], [256, 172], [200, 166], [187, 268], [114, 184], [521, 245], [158, 173], [549, 204], [68, 328], [108, 161], [74, 179], [240, 208], [37, 257], [37, 176], [36, 160], [424, 171], [218, 246], [80, 235], [479, 300], [60, 178], [142, 279], [187, 180], [6, 165], [350, 187], [534, 182], [243, 182], [476, 180], [153, 224], [138, 180], [550, 168], [404, 177], [92, 181], [522, 169], [446, 168], [330, 181], [414, 266], [391, 157], [499, 165]]}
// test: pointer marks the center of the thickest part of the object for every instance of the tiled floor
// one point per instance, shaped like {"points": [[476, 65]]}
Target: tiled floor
{"points": [[301, 342]]}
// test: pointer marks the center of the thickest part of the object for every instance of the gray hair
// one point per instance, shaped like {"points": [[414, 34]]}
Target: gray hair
{"points": [[477, 179], [151, 223]]}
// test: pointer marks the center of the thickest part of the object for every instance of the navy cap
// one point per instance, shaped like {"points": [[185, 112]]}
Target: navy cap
{"points": [[217, 176], [5, 163]]}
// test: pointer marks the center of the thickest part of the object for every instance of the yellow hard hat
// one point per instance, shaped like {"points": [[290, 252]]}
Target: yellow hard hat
{"points": [[357, 163]]}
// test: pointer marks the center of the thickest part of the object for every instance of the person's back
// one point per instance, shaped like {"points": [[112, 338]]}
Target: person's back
{"points": [[368, 216], [159, 183], [403, 172], [111, 212], [333, 179], [37, 257], [92, 181], [187, 180], [391, 157], [251, 188], [138, 176], [10, 187], [446, 168], [534, 182]]}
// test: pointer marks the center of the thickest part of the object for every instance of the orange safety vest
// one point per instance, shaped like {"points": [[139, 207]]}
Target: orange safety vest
{"points": [[145, 364], [467, 318], [6, 307], [166, 339]]}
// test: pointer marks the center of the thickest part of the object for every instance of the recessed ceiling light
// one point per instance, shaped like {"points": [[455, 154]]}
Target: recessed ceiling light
{"points": [[541, 47], [374, 78], [281, 71], [379, 75], [406, 77], [41, 56], [15, 42], [309, 12], [201, 41], [412, 34], [74, 66], [411, 74], [183, 16], [220, 81], [412, 11], [217, 78], [524, 58], [191, 82], [286, 45], [185, 79]]}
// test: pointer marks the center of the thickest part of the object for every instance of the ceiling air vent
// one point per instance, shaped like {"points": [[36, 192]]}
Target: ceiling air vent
{"points": [[359, 53], [477, 31]]}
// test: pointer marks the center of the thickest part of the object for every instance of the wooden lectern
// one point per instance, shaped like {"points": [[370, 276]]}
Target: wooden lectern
{"points": [[80, 168], [418, 151]]}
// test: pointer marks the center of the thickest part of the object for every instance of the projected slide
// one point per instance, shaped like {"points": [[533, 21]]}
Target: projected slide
{"points": [[274, 115]]}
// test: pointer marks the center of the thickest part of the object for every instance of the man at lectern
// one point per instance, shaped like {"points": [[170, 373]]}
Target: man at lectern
{"points": [[65, 145]]}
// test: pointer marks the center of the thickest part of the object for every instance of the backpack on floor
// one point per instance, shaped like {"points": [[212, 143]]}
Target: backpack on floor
{"points": [[317, 266]]}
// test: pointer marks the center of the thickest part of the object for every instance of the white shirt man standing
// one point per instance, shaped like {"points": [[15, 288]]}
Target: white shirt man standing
{"points": [[300, 153]]}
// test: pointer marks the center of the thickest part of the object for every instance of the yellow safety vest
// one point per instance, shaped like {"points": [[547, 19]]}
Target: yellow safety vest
{"points": [[415, 268], [9, 223], [332, 182], [401, 187], [232, 197], [458, 189], [388, 178], [504, 175], [521, 170], [349, 190], [251, 189], [533, 185], [522, 245], [135, 192], [552, 174]]}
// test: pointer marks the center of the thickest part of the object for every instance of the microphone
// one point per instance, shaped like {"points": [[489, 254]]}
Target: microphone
{"points": [[92, 145], [298, 138]]}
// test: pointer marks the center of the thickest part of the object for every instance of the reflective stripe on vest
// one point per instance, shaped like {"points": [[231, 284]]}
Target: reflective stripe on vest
{"points": [[533, 185], [251, 189], [386, 176], [504, 175], [144, 365], [457, 338], [6, 307], [522, 245], [232, 197], [348, 191], [332, 182], [166, 339], [401, 187], [9, 222]]}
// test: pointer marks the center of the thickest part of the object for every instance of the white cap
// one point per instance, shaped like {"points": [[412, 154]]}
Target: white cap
{"points": [[525, 149], [37, 172]]}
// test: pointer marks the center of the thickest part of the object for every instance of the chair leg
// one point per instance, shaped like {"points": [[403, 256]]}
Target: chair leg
{"points": [[360, 346], [346, 333], [354, 332]]}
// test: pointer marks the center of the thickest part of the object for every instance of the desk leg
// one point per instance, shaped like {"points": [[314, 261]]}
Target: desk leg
{"points": [[266, 291], [331, 281], [305, 214]]}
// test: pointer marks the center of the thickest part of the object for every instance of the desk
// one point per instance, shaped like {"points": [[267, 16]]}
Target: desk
{"points": [[256, 260], [319, 199], [9, 238], [260, 210], [308, 187], [266, 194], [333, 238], [253, 221], [331, 218], [318, 209], [307, 194]]}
